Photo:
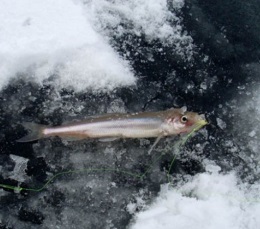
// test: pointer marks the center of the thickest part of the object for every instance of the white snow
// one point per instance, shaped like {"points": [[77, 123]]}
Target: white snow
{"points": [[151, 18], [66, 42], [44, 38], [210, 200]]}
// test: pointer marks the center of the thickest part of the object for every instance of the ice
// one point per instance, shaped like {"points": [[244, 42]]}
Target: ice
{"points": [[252, 133], [18, 172], [40, 39], [248, 127], [214, 199], [207, 201], [221, 123]]}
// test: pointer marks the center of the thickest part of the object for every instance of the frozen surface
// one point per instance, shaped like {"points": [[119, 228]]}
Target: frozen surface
{"points": [[54, 41], [213, 199]]}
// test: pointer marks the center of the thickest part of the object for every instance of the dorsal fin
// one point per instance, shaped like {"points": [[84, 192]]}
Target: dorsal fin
{"points": [[183, 109]]}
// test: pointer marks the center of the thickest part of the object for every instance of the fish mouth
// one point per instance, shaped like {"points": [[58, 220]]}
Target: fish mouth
{"points": [[202, 122], [199, 124], [195, 127]]}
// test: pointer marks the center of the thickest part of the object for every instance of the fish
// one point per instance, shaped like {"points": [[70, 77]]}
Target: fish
{"points": [[112, 126]]}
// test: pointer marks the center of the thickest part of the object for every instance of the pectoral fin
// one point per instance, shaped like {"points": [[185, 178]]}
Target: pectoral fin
{"points": [[155, 143]]}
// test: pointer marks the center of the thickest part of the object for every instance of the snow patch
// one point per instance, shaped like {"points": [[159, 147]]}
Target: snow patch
{"points": [[154, 19], [209, 200], [40, 39]]}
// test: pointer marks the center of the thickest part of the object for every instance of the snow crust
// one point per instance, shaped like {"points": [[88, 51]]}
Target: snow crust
{"points": [[40, 39]]}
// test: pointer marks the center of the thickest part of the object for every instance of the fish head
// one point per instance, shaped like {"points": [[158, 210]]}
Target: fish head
{"points": [[183, 122]]}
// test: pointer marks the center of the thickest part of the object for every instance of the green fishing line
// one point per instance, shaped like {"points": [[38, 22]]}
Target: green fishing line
{"points": [[175, 147]]}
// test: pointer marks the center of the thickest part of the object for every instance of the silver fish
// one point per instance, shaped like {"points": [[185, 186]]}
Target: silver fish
{"points": [[111, 126]]}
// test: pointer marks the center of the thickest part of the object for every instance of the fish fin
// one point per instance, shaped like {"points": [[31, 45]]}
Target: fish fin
{"points": [[183, 109], [155, 143], [107, 139], [36, 132]]}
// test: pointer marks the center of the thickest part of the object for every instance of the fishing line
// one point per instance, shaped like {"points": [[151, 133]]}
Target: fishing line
{"points": [[176, 147]]}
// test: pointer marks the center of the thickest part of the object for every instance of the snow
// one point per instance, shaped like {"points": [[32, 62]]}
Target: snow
{"points": [[44, 38], [66, 42], [152, 18], [149, 17], [208, 200]]}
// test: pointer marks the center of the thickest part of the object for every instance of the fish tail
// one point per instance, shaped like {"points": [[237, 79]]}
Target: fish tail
{"points": [[36, 132]]}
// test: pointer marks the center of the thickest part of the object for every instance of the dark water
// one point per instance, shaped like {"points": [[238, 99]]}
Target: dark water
{"points": [[226, 33]]}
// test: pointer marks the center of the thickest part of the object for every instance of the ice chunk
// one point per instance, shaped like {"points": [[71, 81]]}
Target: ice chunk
{"points": [[221, 123], [18, 172]]}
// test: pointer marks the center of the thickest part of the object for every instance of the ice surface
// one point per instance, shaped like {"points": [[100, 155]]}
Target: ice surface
{"points": [[43, 38], [209, 200], [248, 130], [213, 199]]}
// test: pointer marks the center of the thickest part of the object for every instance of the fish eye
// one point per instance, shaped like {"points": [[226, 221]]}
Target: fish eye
{"points": [[184, 119]]}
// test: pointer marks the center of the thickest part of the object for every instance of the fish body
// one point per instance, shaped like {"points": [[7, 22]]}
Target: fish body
{"points": [[136, 125]]}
